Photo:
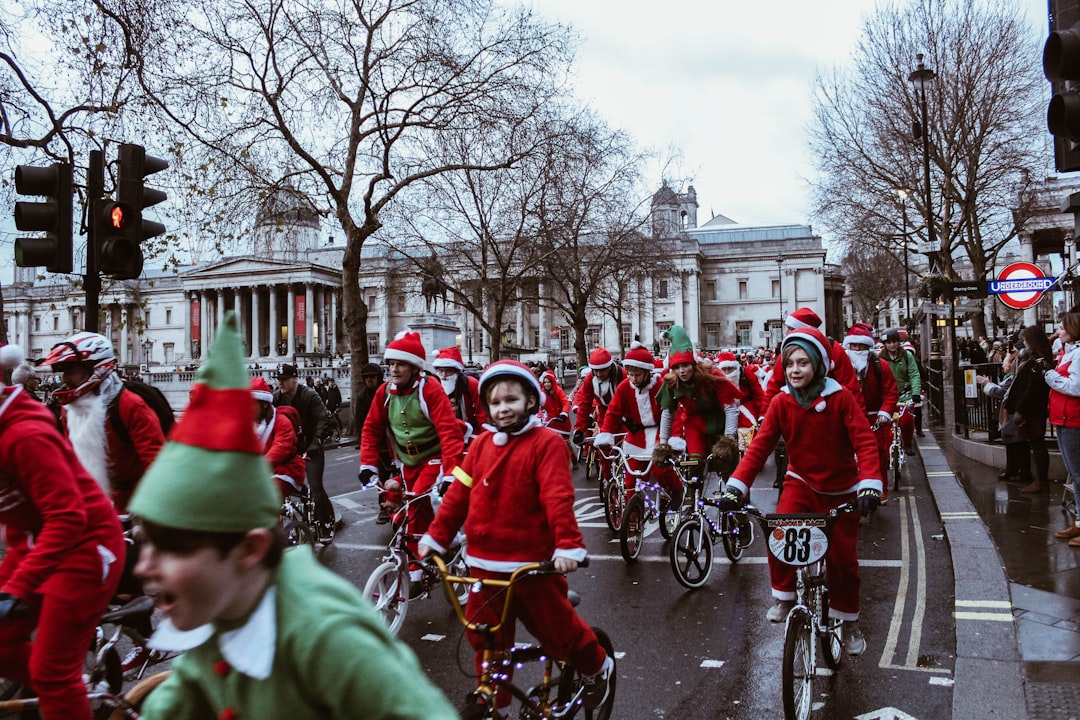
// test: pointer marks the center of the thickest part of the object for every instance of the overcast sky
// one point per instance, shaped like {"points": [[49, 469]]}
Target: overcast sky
{"points": [[727, 83]]}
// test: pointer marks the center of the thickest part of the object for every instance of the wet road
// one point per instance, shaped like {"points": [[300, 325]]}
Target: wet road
{"points": [[710, 653]]}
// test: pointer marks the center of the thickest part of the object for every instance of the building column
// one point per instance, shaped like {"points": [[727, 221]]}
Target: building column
{"points": [[290, 313], [256, 340], [333, 320], [187, 323], [309, 317], [204, 322], [273, 328], [680, 306], [220, 310], [122, 353], [693, 306]]}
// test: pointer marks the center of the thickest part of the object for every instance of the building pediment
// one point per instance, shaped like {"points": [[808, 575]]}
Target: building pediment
{"points": [[246, 271]]}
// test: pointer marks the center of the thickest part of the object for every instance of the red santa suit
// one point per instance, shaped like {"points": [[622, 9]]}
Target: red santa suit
{"points": [[880, 394], [463, 391], [842, 372], [555, 412], [822, 442], [279, 446], [65, 555], [515, 503]]}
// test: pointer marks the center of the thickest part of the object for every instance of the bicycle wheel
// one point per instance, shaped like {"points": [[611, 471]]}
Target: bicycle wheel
{"points": [[632, 531], [137, 695], [456, 566], [691, 553], [387, 589], [298, 533], [832, 644], [669, 519], [895, 466], [614, 505], [798, 670], [730, 533], [568, 690], [592, 464]]}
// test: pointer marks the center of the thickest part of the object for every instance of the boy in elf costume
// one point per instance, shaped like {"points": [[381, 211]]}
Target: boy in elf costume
{"points": [[267, 632]]}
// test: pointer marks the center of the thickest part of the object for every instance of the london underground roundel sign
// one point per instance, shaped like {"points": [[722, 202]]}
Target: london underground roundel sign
{"points": [[1021, 285]]}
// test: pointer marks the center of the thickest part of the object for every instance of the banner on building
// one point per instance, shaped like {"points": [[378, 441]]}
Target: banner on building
{"points": [[300, 326], [196, 319]]}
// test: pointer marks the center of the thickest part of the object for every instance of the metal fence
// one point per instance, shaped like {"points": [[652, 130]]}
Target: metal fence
{"points": [[977, 414]]}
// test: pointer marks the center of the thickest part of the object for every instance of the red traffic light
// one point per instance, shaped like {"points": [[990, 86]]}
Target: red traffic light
{"points": [[117, 216]]}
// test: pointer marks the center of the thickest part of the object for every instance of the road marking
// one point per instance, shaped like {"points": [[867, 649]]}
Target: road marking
{"points": [[983, 610], [712, 663], [432, 637], [944, 682], [897, 620], [886, 713], [920, 585], [347, 503], [941, 473], [945, 516]]}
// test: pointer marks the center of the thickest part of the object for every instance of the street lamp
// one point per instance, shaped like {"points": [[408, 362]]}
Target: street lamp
{"points": [[903, 193], [920, 79], [148, 346]]}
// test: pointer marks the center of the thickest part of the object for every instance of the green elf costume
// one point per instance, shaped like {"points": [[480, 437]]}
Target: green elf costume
{"points": [[311, 647]]}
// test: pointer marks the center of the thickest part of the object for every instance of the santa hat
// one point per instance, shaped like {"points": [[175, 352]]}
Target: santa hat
{"points": [[10, 356], [810, 339], [859, 334], [449, 358], [803, 318], [501, 370], [600, 358], [638, 356], [682, 350], [406, 347], [727, 362], [260, 390], [211, 475]]}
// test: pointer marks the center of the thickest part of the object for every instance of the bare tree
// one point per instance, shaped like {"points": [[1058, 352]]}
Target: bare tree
{"points": [[871, 276], [637, 258], [984, 134], [587, 212], [341, 97]]}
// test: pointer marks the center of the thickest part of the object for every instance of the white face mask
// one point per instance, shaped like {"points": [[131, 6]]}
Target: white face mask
{"points": [[449, 384], [859, 358]]}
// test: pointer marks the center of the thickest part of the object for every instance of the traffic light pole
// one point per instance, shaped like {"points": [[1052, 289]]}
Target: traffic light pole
{"points": [[95, 189]]}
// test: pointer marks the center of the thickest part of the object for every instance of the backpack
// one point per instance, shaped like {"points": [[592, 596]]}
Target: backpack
{"points": [[153, 398], [293, 415]]}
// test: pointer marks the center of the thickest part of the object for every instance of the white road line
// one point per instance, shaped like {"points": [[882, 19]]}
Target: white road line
{"points": [[897, 620], [946, 516], [944, 682], [996, 604], [984, 610], [347, 503], [712, 663], [941, 473], [990, 617], [920, 586]]}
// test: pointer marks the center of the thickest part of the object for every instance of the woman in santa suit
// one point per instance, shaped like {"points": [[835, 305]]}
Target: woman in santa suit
{"points": [[65, 554], [278, 437], [555, 412]]}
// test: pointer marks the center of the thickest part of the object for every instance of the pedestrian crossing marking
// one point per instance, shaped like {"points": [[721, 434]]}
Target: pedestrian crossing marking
{"points": [[992, 617], [941, 473], [984, 604], [982, 610]]}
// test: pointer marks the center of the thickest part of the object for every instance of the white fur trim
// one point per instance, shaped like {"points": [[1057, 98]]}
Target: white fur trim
{"points": [[395, 354], [794, 324], [11, 356], [644, 406], [263, 396], [447, 362], [677, 444], [866, 340], [638, 364]]}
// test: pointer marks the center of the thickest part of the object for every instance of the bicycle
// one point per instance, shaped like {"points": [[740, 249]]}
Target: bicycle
{"points": [[897, 455], [587, 456], [102, 672], [802, 541], [389, 587], [650, 501], [612, 485], [691, 552], [559, 692], [297, 518]]}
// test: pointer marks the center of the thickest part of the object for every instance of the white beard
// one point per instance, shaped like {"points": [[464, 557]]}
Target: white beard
{"points": [[858, 359], [86, 418], [449, 384]]}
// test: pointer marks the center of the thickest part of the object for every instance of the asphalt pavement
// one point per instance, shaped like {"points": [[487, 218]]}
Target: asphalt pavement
{"points": [[1017, 591]]}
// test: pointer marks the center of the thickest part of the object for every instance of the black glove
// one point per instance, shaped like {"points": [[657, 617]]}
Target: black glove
{"points": [[916, 401], [365, 476], [867, 501], [579, 437], [731, 500], [560, 417], [11, 607]]}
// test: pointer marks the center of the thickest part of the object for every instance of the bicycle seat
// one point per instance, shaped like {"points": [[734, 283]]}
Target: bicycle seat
{"points": [[139, 606]]}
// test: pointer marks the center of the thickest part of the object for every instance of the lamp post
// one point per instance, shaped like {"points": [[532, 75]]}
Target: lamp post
{"points": [[920, 79], [780, 286], [903, 193]]}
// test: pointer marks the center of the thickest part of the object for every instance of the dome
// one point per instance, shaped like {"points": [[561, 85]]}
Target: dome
{"points": [[286, 226], [665, 196]]}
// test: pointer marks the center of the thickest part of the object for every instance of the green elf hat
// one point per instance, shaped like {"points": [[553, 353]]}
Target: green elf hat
{"points": [[211, 476], [682, 350]]}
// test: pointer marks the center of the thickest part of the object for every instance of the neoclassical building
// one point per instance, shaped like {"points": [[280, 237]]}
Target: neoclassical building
{"points": [[731, 286]]}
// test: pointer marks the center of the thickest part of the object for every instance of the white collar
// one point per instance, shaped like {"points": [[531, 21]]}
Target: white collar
{"points": [[249, 648]]}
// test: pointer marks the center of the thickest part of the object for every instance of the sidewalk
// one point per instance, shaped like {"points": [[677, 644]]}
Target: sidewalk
{"points": [[1017, 592]]}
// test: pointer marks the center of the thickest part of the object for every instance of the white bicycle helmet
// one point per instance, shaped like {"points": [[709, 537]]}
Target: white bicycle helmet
{"points": [[91, 350]]}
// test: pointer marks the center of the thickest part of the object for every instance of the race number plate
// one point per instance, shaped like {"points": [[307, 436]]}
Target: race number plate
{"points": [[797, 541]]}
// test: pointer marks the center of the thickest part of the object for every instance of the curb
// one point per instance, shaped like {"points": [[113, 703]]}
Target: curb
{"points": [[989, 674]]}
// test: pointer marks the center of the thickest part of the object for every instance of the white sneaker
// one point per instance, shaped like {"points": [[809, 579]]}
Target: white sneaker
{"points": [[779, 612], [598, 686], [853, 638]]}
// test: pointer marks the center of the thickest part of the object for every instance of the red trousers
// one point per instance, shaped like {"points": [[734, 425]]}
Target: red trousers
{"points": [[420, 479], [65, 615], [666, 476], [883, 437], [907, 426], [843, 558], [541, 604]]}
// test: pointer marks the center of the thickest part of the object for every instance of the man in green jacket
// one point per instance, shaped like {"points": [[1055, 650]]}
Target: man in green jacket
{"points": [[908, 382]]}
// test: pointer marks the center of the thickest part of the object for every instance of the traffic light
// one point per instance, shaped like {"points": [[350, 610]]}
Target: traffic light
{"points": [[122, 226], [53, 216], [1061, 65]]}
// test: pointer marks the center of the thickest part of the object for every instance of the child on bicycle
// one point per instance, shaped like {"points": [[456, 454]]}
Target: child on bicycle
{"points": [[64, 556], [825, 428], [266, 632], [515, 498], [634, 410], [277, 434]]}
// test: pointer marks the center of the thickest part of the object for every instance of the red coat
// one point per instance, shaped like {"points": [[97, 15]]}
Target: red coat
{"points": [[435, 406], [592, 401], [842, 371], [822, 443], [636, 412], [469, 409], [53, 512], [515, 503], [555, 403], [879, 395], [129, 461], [753, 396], [279, 446]]}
